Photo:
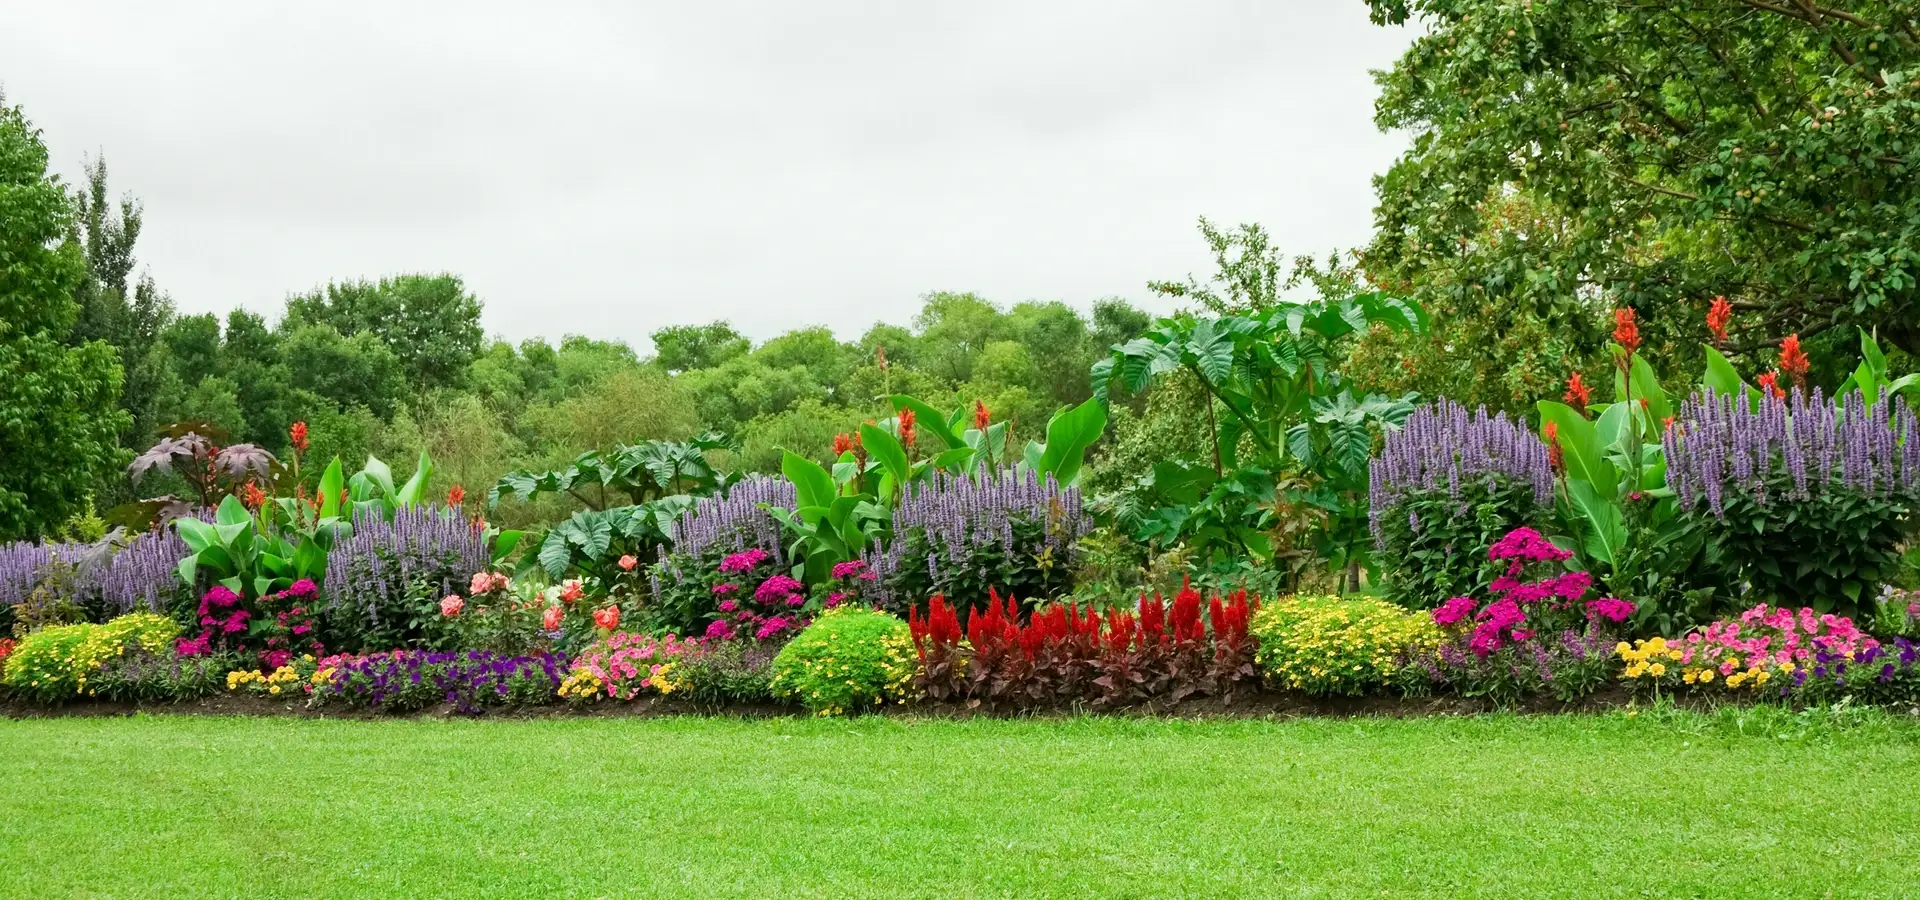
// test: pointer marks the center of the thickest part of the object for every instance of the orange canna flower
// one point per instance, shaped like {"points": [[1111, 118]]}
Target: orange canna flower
{"points": [[1578, 394], [1793, 360], [1770, 383], [1626, 330], [980, 416], [456, 494], [1719, 316]]}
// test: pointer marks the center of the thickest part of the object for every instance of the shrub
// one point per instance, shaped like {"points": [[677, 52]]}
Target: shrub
{"points": [[961, 536], [113, 576], [143, 676], [1332, 645], [1063, 654], [717, 672], [59, 662], [385, 583], [1444, 488], [1810, 503], [848, 659], [273, 626], [408, 680]]}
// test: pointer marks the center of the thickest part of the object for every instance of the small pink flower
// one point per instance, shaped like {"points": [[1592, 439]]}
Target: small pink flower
{"points": [[452, 605], [728, 606], [725, 588], [628, 562]]}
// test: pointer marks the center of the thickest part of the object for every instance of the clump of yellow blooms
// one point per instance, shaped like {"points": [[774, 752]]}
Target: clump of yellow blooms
{"points": [[280, 681], [55, 663], [1338, 645], [850, 658], [1654, 660], [582, 684]]}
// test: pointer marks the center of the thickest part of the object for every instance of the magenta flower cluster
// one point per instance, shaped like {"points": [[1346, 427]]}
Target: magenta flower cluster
{"points": [[1504, 621], [773, 611]]}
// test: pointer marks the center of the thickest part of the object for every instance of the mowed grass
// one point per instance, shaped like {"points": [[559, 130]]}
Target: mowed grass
{"points": [[1739, 804]]}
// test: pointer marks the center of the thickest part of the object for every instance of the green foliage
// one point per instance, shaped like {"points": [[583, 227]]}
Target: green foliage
{"points": [[830, 522], [1832, 551], [1444, 555], [1334, 645], [591, 542], [57, 663], [848, 660], [629, 475], [429, 324], [683, 348], [1671, 153], [59, 401], [725, 672]]}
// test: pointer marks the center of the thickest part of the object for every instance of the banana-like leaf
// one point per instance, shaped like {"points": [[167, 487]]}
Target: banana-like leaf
{"points": [[415, 489], [929, 419], [887, 450], [812, 485], [1581, 448], [332, 482], [1069, 434]]}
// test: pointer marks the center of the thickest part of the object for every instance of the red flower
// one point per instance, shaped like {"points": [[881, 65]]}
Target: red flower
{"points": [[1555, 456], [299, 435], [1626, 331], [980, 416], [456, 494], [1793, 361], [842, 442], [1719, 316], [252, 496], [906, 428], [550, 620], [608, 618], [1578, 394], [1770, 382]]}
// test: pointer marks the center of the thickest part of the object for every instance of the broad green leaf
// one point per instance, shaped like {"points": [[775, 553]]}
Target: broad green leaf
{"points": [[230, 511], [811, 484], [1580, 446], [1720, 377], [504, 544], [1644, 385], [1069, 434], [930, 420], [198, 535], [376, 474], [415, 489], [189, 571], [887, 450], [1875, 361], [1212, 352], [332, 482]]}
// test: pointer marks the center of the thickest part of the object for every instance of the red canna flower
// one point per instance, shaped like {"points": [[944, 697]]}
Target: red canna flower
{"points": [[299, 435], [252, 496], [1770, 382], [1578, 394], [980, 416], [456, 494], [906, 428], [842, 442], [1793, 361], [1626, 331], [1556, 457], [1719, 316]]}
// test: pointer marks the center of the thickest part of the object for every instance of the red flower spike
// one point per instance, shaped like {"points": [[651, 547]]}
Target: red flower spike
{"points": [[1770, 383], [1626, 330], [1578, 394], [1793, 361], [455, 495], [980, 416], [906, 428], [298, 434], [1719, 316]]}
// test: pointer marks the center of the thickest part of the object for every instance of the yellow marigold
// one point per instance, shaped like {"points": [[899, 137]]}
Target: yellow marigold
{"points": [[1657, 669]]}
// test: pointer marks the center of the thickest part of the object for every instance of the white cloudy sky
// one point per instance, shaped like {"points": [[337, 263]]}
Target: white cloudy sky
{"points": [[611, 168]]}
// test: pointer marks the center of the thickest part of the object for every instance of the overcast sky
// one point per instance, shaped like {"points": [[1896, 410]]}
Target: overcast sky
{"points": [[611, 168]]}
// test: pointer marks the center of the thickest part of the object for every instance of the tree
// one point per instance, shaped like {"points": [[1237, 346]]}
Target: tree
{"points": [[683, 348], [430, 322], [350, 371], [106, 232], [59, 411], [1671, 153]]}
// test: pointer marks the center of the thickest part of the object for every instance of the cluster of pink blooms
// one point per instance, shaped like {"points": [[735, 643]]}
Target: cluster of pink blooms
{"points": [[487, 583], [775, 605], [1503, 621], [626, 662], [1767, 636]]}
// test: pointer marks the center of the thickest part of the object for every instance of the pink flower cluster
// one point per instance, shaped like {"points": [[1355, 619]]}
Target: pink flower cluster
{"points": [[744, 561], [1501, 622], [778, 599], [626, 662], [1767, 636], [853, 568], [780, 590], [488, 582]]}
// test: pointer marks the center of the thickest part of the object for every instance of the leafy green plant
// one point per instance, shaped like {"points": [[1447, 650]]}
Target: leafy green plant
{"points": [[591, 542], [828, 523], [849, 659], [629, 475], [1070, 432]]}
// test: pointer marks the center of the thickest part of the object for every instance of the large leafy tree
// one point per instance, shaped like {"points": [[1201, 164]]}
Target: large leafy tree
{"points": [[59, 403], [1658, 155], [430, 322]]}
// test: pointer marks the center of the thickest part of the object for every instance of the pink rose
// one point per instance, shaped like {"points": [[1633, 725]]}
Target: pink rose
{"points": [[452, 605]]}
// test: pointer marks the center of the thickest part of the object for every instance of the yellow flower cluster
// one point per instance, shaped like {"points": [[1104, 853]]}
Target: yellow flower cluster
{"points": [[277, 682], [56, 662], [1336, 645], [663, 680], [1649, 660], [582, 684]]}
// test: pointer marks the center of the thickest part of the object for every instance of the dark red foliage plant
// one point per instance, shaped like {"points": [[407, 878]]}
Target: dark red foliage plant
{"points": [[1064, 654]]}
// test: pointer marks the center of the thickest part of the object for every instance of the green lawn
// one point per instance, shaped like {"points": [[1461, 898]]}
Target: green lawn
{"points": [[1738, 805]]}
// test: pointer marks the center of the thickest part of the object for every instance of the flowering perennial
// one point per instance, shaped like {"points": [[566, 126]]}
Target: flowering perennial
{"points": [[1442, 445], [1723, 443]]}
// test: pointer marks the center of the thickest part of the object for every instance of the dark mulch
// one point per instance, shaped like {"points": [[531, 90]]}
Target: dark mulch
{"points": [[1257, 705]]}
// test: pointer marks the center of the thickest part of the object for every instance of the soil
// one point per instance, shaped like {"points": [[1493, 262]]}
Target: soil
{"points": [[1258, 705]]}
